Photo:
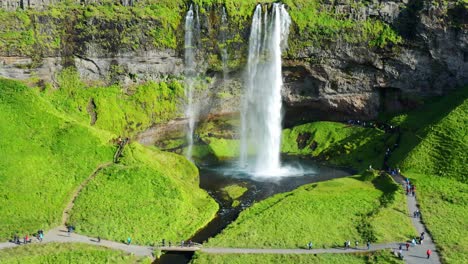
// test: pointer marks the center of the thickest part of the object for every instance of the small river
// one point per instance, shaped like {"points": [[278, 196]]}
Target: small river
{"points": [[215, 176]]}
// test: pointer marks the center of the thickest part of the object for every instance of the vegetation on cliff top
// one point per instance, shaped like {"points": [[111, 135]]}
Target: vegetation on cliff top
{"points": [[67, 27], [66, 253], [337, 210]]}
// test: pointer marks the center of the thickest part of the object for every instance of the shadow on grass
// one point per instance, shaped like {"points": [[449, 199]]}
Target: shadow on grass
{"points": [[415, 127]]}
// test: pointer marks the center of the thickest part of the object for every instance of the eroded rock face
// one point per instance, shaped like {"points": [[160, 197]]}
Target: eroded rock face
{"points": [[355, 81], [335, 81]]}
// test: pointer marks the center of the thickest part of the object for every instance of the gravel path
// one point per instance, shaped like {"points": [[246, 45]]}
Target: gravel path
{"points": [[417, 254], [298, 251]]}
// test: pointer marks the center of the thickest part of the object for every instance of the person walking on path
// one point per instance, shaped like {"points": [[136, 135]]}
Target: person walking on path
{"points": [[407, 246], [129, 240], [428, 252], [309, 245], [99, 239], [356, 243], [368, 245]]}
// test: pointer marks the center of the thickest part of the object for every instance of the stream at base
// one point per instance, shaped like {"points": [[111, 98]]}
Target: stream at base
{"points": [[214, 177]]}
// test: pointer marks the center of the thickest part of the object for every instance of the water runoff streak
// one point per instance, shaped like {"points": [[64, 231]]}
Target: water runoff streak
{"points": [[191, 109], [261, 104]]}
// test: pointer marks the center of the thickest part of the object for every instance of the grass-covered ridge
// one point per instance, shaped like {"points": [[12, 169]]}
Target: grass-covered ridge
{"points": [[379, 257], [326, 213], [435, 138], [66, 253], [150, 196]]}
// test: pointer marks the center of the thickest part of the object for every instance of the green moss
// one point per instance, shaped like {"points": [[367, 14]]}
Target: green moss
{"points": [[233, 193], [66, 253]]}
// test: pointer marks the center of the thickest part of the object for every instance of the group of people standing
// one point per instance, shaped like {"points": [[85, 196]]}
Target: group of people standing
{"points": [[414, 242], [27, 239]]}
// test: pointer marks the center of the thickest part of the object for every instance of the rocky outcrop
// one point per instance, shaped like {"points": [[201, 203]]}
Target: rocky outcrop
{"points": [[346, 80], [334, 79]]}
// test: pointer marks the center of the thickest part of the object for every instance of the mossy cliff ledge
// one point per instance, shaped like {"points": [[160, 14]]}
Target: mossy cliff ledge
{"points": [[346, 59]]}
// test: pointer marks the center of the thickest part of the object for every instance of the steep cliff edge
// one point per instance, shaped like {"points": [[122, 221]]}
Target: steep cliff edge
{"points": [[347, 59]]}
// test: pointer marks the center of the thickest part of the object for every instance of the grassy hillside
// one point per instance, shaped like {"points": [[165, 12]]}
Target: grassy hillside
{"points": [[44, 157], [46, 154], [121, 111], [326, 213], [435, 138], [338, 144], [72, 253], [151, 195], [380, 257], [433, 154]]}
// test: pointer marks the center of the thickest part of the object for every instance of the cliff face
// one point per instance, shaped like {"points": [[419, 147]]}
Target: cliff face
{"points": [[382, 55]]}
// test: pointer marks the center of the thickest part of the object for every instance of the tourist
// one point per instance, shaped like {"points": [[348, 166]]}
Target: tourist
{"points": [[413, 242], [99, 239], [309, 245], [428, 252], [368, 244], [129, 240], [348, 244], [170, 244], [356, 243], [400, 254], [41, 236], [400, 247], [163, 242], [345, 245], [407, 246], [182, 243]]}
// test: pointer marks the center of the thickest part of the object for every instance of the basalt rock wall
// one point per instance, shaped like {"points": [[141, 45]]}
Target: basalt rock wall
{"points": [[332, 73]]}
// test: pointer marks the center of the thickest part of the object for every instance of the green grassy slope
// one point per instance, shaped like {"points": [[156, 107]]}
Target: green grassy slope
{"points": [[121, 111], [72, 253], [380, 257], [46, 154], [150, 196], [435, 138], [433, 154], [326, 213], [44, 157], [338, 144]]}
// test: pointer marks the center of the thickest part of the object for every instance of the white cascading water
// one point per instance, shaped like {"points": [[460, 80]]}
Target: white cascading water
{"points": [[191, 114], [261, 104], [224, 54]]}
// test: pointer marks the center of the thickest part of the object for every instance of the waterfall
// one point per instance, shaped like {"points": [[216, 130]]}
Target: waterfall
{"points": [[192, 25], [261, 103], [224, 54]]}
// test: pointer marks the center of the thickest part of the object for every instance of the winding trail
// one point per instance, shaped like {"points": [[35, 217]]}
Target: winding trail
{"points": [[69, 207], [416, 255]]}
